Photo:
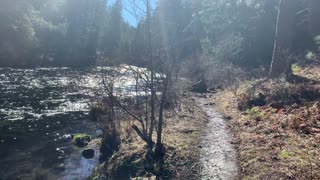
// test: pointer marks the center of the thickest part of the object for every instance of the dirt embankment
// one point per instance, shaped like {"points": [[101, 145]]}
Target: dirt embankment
{"points": [[182, 136]]}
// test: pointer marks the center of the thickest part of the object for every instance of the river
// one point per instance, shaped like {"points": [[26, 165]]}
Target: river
{"points": [[39, 110]]}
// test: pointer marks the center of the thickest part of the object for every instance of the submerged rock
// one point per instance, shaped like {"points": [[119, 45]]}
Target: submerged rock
{"points": [[88, 153], [59, 168]]}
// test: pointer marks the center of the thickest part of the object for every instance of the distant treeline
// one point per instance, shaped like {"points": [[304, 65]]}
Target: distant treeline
{"points": [[60, 32], [80, 32]]}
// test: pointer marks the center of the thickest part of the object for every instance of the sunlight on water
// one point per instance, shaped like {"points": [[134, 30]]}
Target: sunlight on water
{"points": [[39, 110]]}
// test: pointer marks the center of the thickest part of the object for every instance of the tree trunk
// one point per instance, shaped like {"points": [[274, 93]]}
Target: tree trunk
{"points": [[284, 37], [315, 14], [159, 145], [151, 67]]}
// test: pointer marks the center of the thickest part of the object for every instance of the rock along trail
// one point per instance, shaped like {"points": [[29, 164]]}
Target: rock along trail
{"points": [[218, 157]]}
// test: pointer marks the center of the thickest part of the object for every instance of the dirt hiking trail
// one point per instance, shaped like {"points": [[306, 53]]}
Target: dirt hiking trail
{"points": [[218, 157]]}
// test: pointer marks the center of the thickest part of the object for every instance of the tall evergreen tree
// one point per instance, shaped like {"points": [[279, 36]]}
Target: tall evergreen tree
{"points": [[113, 33]]}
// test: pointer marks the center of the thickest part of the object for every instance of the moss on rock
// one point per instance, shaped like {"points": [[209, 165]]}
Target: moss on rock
{"points": [[81, 140]]}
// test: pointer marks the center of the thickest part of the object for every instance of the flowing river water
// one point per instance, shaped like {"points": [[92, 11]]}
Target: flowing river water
{"points": [[39, 110]]}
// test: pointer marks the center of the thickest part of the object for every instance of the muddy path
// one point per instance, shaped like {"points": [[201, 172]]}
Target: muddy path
{"points": [[218, 157]]}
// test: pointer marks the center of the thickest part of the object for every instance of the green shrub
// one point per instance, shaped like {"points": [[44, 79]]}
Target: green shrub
{"points": [[254, 113], [296, 68]]}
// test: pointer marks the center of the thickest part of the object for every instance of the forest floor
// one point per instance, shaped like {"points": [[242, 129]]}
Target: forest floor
{"points": [[277, 124]]}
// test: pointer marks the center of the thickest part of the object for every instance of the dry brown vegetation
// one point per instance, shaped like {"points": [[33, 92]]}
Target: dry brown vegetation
{"points": [[182, 133], [311, 72], [278, 126]]}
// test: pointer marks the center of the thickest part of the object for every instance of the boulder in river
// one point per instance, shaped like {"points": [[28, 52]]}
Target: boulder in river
{"points": [[88, 153], [81, 140]]}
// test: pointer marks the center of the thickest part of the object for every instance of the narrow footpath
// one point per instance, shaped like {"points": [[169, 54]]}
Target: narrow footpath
{"points": [[218, 156]]}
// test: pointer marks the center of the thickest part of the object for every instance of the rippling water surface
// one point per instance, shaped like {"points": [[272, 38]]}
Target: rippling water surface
{"points": [[39, 109]]}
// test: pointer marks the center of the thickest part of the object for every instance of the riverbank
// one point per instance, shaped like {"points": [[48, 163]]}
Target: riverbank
{"points": [[183, 133]]}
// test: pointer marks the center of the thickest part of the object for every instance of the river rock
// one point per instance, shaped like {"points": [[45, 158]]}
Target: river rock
{"points": [[81, 140], [99, 132], [88, 153]]}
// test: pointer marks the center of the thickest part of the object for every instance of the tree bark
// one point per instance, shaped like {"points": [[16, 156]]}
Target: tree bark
{"points": [[315, 14], [285, 26], [159, 146], [151, 67]]}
